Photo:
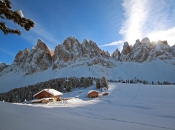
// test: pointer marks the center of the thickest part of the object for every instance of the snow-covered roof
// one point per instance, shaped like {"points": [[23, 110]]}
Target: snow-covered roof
{"points": [[51, 91], [92, 91]]}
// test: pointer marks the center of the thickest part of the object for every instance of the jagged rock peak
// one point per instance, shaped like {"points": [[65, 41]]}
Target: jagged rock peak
{"points": [[35, 60], [145, 51], [2, 66], [164, 42], [40, 58], [26, 50], [72, 50], [71, 43], [116, 54], [126, 52], [137, 41], [145, 41], [71, 40], [39, 41], [84, 41], [41, 45], [126, 48]]}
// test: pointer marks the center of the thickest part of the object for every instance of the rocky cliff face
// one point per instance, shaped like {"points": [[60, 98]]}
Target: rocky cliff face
{"points": [[116, 55], [71, 51], [145, 51], [126, 52], [34, 60], [40, 58]]}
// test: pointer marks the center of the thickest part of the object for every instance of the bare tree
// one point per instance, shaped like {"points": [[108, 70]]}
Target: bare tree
{"points": [[16, 16]]}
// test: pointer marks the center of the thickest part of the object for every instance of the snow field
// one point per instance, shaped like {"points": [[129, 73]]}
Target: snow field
{"points": [[126, 107]]}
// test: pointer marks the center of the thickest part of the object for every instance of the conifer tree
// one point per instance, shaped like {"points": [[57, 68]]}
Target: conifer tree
{"points": [[104, 82], [98, 86], [16, 16]]}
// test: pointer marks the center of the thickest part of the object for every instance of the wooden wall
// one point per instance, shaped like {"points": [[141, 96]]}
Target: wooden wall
{"points": [[43, 94], [93, 94]]}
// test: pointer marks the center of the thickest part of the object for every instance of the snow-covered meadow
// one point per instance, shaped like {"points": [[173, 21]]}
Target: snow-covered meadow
{"points": [[128, 106]]}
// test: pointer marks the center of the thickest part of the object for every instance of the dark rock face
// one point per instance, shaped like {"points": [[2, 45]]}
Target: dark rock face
{"points": [[72, 50], [116, 55], [34, 60], [126, 52]]}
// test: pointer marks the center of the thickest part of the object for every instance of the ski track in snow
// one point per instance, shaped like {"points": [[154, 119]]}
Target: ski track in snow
{"points": [[123, 121], [137, 91]]}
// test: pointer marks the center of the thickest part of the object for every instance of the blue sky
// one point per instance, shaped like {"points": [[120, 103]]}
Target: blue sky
{"points": [[107, 22]]}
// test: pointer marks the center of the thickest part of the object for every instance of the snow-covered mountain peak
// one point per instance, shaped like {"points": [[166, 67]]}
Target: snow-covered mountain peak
{"points": [[84, 41], [31, 61], [70, 41], [162, 45], [137, 41], [151, 61], [2, 66], [26, 50], [116, 55], [126, 52], [126, 48], [73, 53], [146, 41], [145, 51], [125, 44], [42, 46]]}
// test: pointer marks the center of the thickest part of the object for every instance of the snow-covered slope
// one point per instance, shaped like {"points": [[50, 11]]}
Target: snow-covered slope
{"points": [[149, 71], [150, 61], [127, 107], [2, 66]]}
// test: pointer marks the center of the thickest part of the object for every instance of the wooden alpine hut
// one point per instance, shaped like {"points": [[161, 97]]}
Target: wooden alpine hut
{"points": [[93, 94], [47, 95]]}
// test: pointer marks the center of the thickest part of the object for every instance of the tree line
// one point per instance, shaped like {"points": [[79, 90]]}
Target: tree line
{"points": [[135, 81], [60, 84]]}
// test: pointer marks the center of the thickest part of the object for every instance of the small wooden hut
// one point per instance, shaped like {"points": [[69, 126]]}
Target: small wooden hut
{"points": [[47, 95], [105, 94], [93, 94]]}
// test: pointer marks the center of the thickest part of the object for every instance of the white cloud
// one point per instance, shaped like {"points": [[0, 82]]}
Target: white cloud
{"points": [[168, 35], [136, 14], [7, 52], [152, 18], [115, 43]]}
